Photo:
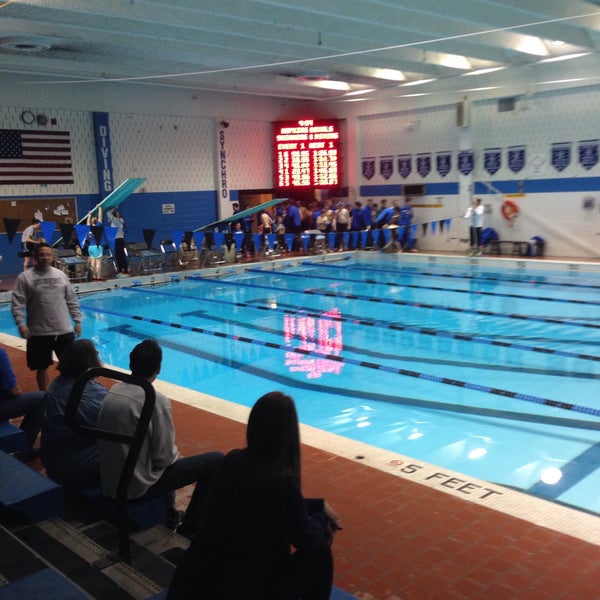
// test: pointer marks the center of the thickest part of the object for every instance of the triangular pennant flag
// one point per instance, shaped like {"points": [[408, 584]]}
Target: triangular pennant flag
{"points": [[289, 240], [424, 227], [376, 235], [400, 232], [354, 237], [413, 232], [111, 234], [82, 233], [228, 240], [177, 237], [448, 221], [97, 231], [238, 236], [148, 236], [66, 232], [363, 238], [433, 226], [442, 222], [305, 240], [331, 239], [11, 226], [346, 238], [47, 230], [198, 238], [386, 236], [219, 237], [257, 241]]}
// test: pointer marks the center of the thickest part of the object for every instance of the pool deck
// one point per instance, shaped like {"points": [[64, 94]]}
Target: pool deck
{"points": [[410, 530]]}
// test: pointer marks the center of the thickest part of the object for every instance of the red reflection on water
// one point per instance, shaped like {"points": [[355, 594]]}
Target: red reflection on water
{"points": [[322, 335]]}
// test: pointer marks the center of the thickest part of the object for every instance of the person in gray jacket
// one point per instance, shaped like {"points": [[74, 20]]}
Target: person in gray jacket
{"points": [[43, 304]]}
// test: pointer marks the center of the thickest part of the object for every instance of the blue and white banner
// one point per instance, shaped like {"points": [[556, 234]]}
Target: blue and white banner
{"points": [[368, 167], [560, 155], [443, 162], [516, 158], [386, 166], [465, 161], [103, 154], [492, 160], [404, 165], [588, 153], [424, 164]]}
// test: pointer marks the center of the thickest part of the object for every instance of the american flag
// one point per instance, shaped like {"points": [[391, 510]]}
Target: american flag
{"points": [[28, 157]]}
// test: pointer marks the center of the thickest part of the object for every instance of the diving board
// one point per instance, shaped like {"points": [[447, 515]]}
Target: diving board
{"points": [[244, 213], [112, 200]]}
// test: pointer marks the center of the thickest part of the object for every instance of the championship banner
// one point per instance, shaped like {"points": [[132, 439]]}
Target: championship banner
{"points": [[386, 166], [516, 158], [368, 167], [424, 164], [404, 165], [465, 161], [588, 153], [443, 161], [492, 160], [560, 155]]}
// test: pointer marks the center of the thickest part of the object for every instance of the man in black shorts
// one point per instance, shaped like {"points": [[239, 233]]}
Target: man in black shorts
{"points": [[43, 304]]}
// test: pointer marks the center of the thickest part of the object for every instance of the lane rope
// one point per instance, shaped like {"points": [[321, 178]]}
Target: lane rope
{"points": [[360, 363], [354, 320], [430, 287]]}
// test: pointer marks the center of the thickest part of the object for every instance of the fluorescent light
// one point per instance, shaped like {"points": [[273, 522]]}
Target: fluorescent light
{"points": [[416, 82], [413, 95], [454, 61], [330, 84], [532, 45], [483, 71], [359, 92], [390, 74], [564, 57]]}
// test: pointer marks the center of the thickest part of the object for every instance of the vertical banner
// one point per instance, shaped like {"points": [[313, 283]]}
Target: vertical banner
{"points": [[222, 182], [465, 161], [588, 153], [368, 167], [424, 164], [106, 183], [516, 158], [386, 166], [443, 162], [492, 160], [560, 155], [404, 165]]}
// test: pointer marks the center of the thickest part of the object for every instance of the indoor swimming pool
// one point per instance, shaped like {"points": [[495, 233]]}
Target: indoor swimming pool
{"points": [[491, 372]]}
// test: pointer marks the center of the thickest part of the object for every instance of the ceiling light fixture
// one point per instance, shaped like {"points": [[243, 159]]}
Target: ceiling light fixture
{"points": [[416, 82], [564, 57], [483, 71]]}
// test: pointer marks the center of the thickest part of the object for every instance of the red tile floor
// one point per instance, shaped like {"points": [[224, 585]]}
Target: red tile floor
{"points": [[402, 540]]}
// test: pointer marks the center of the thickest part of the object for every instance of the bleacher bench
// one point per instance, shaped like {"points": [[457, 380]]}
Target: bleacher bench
{"points": [[12, 439], [500, 247], [25, 490], [47, 583]]}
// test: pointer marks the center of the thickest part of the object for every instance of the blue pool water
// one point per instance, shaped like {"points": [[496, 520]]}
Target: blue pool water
{"points": [[491, 373]]}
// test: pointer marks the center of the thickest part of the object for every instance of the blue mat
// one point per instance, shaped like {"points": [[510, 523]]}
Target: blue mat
{"points": [[48, 583]]}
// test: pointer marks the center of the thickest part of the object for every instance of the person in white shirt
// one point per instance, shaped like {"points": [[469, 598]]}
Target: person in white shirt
{"points": [[475, 215]]}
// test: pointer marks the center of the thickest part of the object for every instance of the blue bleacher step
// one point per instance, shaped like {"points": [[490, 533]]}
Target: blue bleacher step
{"points": [[12, 439], [338, 594], [47, 583], [25, 490]]}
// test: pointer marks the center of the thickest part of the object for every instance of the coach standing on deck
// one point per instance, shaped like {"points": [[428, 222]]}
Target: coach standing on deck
{"points": [[43, 304]]}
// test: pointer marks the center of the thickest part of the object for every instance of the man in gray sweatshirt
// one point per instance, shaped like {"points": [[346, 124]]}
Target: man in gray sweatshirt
{"points": [[43, 304]]}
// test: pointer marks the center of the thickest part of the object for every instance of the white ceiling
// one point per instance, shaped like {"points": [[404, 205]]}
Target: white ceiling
{"points": [[282, 48]]}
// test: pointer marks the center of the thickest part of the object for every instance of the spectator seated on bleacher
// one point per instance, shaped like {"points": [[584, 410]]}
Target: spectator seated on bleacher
{"points": [[536, 246], [488, 235], [69, 457]]}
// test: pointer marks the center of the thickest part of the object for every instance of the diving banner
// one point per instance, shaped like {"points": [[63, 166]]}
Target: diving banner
{"points": [[588, 153], [404, 165], [424, 164], [492, 160], [443, 162], [560, 155], [465, 161], [368, 167], [516, 158]]}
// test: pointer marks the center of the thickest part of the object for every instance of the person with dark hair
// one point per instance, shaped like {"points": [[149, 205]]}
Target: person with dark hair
{"points": [[14, 402], [43, 304], [252, 513], [29, 240], [475, 215], [159, 470], [70, 457], [115, 219]]}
